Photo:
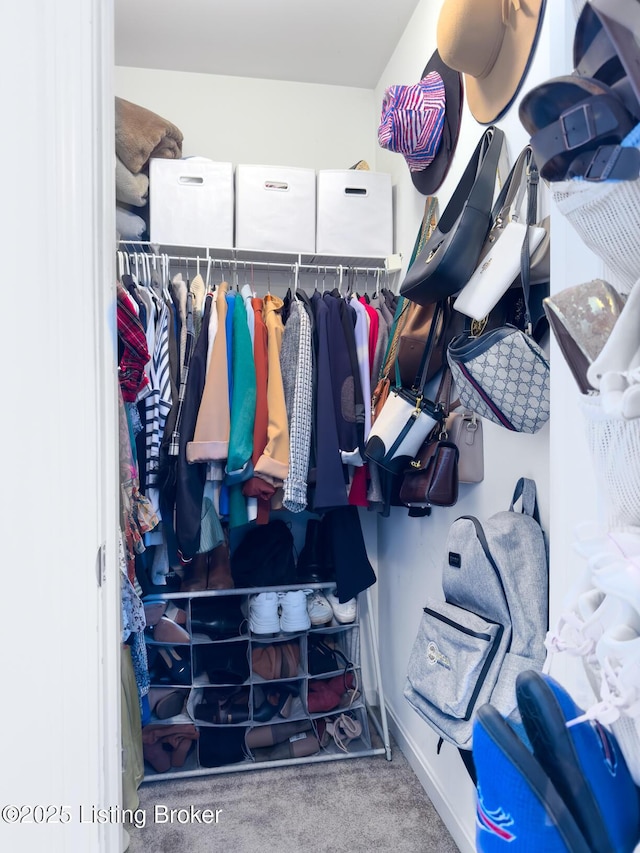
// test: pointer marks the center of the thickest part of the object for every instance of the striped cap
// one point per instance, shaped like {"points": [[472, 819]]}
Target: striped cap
{"points": [[412, 120]]}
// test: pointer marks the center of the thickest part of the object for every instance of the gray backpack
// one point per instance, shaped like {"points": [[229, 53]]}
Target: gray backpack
{"points": [[492, 624]]}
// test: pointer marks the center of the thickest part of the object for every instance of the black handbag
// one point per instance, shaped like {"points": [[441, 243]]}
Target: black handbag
{"points": [[451, 253], [324, 656]]}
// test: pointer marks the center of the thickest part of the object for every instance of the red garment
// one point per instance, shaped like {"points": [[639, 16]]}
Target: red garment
{"points": [[358, 490], [374, 325], [135, 354]]}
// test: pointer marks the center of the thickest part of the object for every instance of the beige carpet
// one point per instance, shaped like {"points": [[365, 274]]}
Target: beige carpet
{"points": [[362, 804]]}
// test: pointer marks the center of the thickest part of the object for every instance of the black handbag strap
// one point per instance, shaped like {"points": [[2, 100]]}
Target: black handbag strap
{"points": [[533, 178], [477, 185], [512, 192]]}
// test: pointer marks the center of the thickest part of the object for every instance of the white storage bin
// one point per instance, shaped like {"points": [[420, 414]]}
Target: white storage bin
{"points": [[191, 202], [355, 213], [275, 208]]}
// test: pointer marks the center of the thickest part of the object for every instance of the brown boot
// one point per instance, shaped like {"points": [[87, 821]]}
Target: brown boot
{"points": [[219, 568], [194, 576]]}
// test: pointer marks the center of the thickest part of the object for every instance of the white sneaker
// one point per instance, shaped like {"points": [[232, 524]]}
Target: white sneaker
{"points": [[319, 610], [618, 652], [263, 613], [293, 611], [342, 612], [617, 576], [591, 539], [581, 626]]}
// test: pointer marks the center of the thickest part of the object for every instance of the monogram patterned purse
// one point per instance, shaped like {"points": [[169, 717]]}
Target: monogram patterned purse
{"points": [[503, 375]]}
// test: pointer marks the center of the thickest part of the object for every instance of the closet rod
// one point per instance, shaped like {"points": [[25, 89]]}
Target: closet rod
{"points": [[235, 265]]}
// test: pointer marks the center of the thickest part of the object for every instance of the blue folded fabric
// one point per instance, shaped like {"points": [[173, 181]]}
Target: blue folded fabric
{"points": [[129, 225], [583, 761], [518, 807]]}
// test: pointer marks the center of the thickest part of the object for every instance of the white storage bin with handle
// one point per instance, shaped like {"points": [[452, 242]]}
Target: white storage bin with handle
{"points": [[191, 202], [275, 208], [355, 213]]}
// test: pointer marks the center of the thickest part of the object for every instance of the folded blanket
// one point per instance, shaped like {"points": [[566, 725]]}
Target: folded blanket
{"points": [[141, 134], [130, 188], [129, 225]]}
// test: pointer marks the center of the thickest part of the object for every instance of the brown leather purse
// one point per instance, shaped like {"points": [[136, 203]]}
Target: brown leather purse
{"points": [[433, 477]]}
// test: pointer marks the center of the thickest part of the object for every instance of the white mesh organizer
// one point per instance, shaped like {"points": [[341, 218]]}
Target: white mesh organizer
{"points": [[614, 444], [606, 215]]}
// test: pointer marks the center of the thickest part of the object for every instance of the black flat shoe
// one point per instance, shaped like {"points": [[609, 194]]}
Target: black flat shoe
{"points": [[173, 669]]}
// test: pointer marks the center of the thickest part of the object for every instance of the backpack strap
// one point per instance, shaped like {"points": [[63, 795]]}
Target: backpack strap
{"points": [[526, 489]]}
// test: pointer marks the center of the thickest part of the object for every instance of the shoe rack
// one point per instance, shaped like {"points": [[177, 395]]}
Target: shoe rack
{"points": [[245, 717]]}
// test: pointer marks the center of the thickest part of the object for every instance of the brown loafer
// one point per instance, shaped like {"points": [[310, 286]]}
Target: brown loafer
{"points": [[168, 631]]}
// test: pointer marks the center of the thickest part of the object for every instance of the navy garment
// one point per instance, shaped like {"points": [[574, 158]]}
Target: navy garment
{"points": [[191, 477], [330, 488], [342, 378], [353, 570]]}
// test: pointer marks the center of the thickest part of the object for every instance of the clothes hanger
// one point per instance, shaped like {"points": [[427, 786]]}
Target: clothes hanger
{"points": [[208, 276], [186, 264], [165, 276]]}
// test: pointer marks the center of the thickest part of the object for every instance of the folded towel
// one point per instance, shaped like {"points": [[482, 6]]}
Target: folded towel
{"points": [[141, 134], [130, 188], [129, 225]]}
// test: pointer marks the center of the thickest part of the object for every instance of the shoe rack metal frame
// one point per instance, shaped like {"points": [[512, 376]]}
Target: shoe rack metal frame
{"points": [[377, 716]]}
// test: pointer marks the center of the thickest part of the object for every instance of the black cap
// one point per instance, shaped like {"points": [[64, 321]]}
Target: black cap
{"points": [[428, 180]]}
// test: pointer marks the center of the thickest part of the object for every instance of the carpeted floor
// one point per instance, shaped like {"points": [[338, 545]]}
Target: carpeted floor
{"points": [[363, 804]]}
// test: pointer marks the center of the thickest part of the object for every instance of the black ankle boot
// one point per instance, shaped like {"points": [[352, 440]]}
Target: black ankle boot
{"points": [[310, 567]]}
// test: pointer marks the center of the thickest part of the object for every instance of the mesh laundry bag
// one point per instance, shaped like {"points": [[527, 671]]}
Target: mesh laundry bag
{"points": [[614, 444], [606, 215]]}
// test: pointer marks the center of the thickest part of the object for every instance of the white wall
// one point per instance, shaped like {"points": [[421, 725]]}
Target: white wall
{"points": [[60, 631], [243, 120]]}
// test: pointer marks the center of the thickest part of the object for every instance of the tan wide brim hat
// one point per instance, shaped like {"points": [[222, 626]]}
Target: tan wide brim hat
{"points": [[492, 43]]}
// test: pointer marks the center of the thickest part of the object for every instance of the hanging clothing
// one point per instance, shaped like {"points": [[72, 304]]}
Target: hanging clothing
{"points": [[257, 487], [198, 291], [354, 572], [300, 412], [274, 462], [190, 476], [137, 515], [211, 436], [187, 333], [132, 342], [330, 485], [157, 404], [361, 338], [374, 324], [343, 378], [382, 342], [243, 401]]}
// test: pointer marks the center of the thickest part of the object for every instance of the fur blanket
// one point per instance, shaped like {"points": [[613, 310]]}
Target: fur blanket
{"points": [[141, 134], [130, 188]]}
